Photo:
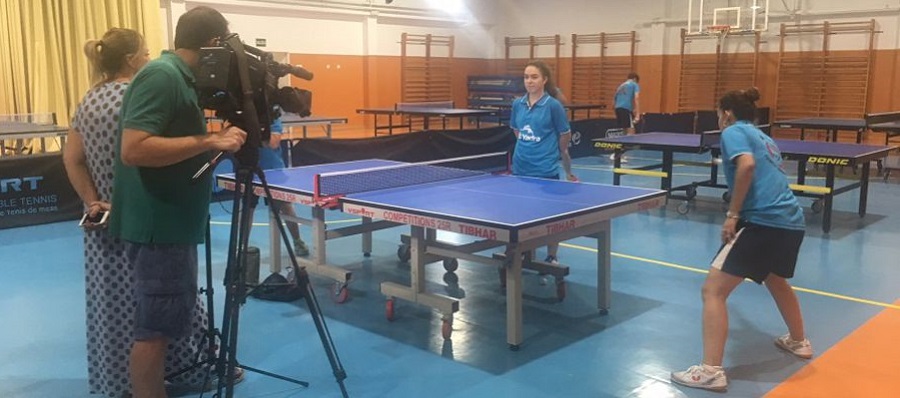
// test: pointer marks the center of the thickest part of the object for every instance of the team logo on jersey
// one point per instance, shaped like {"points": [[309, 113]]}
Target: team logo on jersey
{"points": [[527, 134]]}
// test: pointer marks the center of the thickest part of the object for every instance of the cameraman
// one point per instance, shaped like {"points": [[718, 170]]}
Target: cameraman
{"points": [[159, 213]]}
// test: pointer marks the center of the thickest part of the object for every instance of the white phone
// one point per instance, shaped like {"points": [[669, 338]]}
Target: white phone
{"points": [[99, 219]]}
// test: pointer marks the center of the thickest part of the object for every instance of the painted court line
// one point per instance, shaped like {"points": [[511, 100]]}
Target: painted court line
{"points": [[662, 263], [703, 271], [863, 364]]}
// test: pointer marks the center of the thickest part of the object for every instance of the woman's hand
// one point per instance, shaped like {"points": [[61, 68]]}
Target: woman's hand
{"points": [[571, 177], [729, 229], [95, 208]]}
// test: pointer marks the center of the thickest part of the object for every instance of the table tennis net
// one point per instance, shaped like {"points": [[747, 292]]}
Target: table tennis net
{"points": [[408, 174]]}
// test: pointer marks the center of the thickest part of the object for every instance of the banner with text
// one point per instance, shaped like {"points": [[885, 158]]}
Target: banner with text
{"points": [[36, 190]]}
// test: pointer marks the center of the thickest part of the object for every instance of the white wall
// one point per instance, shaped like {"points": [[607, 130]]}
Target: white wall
{"points": [[370, 27], [658, 22], [349, 27]]}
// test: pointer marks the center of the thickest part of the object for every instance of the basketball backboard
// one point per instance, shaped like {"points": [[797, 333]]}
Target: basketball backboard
{"points": [[738, 15]]}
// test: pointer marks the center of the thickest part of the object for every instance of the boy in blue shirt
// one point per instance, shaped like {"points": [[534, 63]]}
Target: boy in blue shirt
{"points": [[627, 106], [627, 103]]}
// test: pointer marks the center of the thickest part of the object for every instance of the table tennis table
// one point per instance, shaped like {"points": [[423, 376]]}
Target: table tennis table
{"points": [[444, 196], [571, 109], [294, 120], [426, 110], [831, 126], [831, 155], [887, 122], [18, 132]]}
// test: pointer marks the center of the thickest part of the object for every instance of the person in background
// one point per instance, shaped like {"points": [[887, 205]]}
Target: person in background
{"points": [[270, 158], [159, 211], [761, 239], [542, 131], [627, 105]]}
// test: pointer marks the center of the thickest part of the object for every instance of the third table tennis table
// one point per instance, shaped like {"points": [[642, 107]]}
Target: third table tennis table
{"points": [[886, 122], [831, 155], [425, 110]]}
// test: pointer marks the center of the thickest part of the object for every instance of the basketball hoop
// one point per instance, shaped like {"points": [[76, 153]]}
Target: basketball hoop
{"points": [[718, 30]]}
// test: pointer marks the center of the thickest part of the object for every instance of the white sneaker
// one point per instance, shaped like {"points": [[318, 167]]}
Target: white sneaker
{"points": [[802, 349], [698, 377]]}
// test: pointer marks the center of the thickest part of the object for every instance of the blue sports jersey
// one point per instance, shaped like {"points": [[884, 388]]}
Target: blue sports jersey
{"points": [[537, 149], [272, 158], [625, 94], [769, 201]]}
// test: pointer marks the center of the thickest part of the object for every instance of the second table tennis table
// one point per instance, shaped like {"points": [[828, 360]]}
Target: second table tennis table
{"points": [[425, 110], [831, 155], [294, 120], [466, 202]]}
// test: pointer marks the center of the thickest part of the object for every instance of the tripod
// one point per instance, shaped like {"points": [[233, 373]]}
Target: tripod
{"points": [[211, 336], [236, 288]]}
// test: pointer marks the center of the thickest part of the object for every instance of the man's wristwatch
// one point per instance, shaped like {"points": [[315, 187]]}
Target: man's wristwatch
{"points": [[729, 214]]}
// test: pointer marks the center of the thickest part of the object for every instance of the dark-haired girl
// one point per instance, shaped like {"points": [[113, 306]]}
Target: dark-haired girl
{"points": [[542, 132], [761, 238]]}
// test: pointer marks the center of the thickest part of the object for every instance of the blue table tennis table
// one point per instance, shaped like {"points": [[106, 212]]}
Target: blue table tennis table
{"points": [[831, 155], [518, 213], [426, 110]]}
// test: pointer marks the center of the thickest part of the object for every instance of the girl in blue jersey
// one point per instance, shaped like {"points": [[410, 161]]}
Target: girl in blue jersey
{"points": [[542, 130], [761, 238]]}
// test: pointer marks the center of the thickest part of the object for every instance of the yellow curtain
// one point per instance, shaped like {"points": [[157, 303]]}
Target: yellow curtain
{"points": [[42, 66]]}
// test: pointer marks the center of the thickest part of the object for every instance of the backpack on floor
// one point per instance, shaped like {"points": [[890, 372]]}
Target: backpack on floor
{"points": [[278, 288]]}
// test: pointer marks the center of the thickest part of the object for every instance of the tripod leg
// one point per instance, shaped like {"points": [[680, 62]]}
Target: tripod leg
{"points": [[234, 279], [211, 334], [312, 303]]}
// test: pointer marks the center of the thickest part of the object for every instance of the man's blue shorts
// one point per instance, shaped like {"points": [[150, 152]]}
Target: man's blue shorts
{"points": [[165, 289]]}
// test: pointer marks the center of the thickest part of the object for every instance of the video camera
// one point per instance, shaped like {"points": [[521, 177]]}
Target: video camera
{"points": [[240, 83]]}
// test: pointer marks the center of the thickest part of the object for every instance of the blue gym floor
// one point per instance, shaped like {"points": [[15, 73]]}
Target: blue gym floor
{"points": [[659, 260]]}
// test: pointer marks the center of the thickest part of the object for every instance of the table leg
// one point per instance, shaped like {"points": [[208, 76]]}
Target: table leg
{"points": [[514, 298], [864, 188], [604, 267], [828, 198]]}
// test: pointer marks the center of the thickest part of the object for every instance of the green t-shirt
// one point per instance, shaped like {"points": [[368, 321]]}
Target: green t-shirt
{"points": [[161, 204]]}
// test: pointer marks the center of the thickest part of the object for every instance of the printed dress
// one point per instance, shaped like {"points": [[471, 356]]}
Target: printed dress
{"points": [[109, 279]]}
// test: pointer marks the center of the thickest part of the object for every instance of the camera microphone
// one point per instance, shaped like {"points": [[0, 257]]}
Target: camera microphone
{"points": [[300, 72], [282, 69]]}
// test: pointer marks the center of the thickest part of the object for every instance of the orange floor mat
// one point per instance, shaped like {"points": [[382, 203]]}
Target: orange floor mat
{"points": [[864, 364]]}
